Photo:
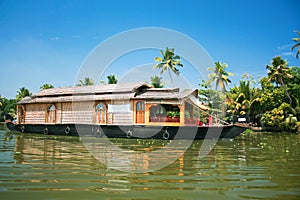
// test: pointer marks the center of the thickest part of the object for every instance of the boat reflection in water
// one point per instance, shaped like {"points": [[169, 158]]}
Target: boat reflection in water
{"points": [[262, 166]]}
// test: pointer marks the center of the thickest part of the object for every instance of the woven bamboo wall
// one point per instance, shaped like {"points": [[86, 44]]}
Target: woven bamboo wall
{"points": [[74, 112], [78, 112], [35, 113]]}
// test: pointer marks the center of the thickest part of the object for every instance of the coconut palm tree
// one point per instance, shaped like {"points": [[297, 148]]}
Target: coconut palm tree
{"points": [[297, 40], [112, 79], [241, 98], [46, 86], [219, 75], [86, 81], [168, 62], [23, 92], [278, 72], [156, 82]]}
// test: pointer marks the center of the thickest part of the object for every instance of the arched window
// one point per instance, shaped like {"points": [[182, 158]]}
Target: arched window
{"points": [[51, 114], [140, 106], [100, 113], [140, 112]]}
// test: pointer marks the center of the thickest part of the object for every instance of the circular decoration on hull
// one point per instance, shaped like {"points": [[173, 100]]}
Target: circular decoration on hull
{"points": [[166, 135], [129, 134], [98, 133], [46, 131], [67, 130]]}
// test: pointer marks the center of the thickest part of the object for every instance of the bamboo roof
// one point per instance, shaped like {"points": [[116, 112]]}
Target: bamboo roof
{"points": [[122, 91], [93, 89]]}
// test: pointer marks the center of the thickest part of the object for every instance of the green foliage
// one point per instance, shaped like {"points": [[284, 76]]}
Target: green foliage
{"points": [[280, 119], [168, 62], [7, 106], [173, 114], [280, 103], [112, 79], [86, 81], [278, 73], [22, 93], [156, 82], [46, 86], [215, 99], [297, 45], [243, 100], [220, 75], [274, 103]]}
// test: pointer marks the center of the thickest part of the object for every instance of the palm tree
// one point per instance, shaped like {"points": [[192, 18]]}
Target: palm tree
{"points": [[297, 40], [241, 98], [112, 79], [220, 75], [46, 86], [23, 92], [278, 72], [86, 81], [156, 82], [168, 62]]}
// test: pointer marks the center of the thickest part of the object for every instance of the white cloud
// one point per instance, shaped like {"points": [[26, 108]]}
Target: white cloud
{"points": [[288, 53], [284, 47]]}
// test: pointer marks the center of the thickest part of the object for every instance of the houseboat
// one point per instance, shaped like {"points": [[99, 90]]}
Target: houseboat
{"points": [[126, 110]]}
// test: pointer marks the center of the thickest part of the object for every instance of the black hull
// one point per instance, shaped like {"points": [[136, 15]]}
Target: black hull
{"points": [[132, 131]]}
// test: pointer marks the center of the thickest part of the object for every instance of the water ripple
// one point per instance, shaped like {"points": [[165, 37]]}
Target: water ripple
{"points": [[264, 166]]}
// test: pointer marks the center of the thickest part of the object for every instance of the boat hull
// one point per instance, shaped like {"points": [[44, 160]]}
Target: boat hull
{"points": [[132, 131]]}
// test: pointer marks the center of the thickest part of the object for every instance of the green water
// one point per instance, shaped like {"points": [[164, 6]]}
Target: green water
{"points": [[261, 166]]}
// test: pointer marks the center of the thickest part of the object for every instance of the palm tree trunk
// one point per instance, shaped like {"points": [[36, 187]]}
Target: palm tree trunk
{"points": [[286, 92], [171, 78]]}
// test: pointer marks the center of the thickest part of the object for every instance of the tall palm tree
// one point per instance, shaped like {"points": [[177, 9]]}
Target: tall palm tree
{"points": [[46, 86], [156, 82], [278, 72], [23, 92], [112, 79], [168, 62], [297, 40], [220, 75], [86, 81]]}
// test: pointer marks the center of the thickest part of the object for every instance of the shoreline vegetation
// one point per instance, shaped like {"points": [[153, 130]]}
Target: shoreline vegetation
{"points": [[268, 103]]}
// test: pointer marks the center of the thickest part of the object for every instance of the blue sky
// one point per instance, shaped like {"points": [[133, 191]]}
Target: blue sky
{"points": [[47, 41]]}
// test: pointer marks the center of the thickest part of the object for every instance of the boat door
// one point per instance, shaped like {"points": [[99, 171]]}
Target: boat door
{"points": [[100, 113], [140, 112]]}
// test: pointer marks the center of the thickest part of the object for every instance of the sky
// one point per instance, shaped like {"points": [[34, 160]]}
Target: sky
{"points": [[48, 41]]}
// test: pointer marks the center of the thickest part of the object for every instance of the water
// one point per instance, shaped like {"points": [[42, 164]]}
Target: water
{"points": [[261, 166]]}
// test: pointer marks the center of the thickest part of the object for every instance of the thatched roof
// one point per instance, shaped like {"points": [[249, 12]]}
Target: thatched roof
{"points": [[122, 91], [93, 89]]}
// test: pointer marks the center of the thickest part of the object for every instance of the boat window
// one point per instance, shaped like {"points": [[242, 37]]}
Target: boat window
{"points": [[100, 113], [140, 106], [118, 108], [164, 113], [192, 114], [51, 115]]}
